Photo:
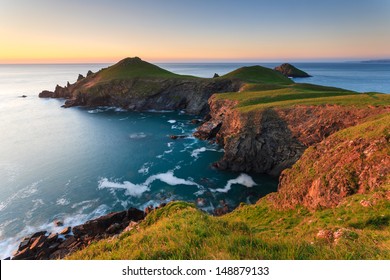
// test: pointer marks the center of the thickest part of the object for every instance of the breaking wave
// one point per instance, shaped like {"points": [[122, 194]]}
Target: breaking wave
{"points": [[243, 179]]}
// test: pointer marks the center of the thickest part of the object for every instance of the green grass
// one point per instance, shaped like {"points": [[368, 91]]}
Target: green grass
{"points": [[301, 94], [258, 74], [134, 68], [180, 231]]}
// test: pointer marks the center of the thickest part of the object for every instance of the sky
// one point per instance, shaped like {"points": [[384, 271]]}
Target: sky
{"points": [[47, 31]]}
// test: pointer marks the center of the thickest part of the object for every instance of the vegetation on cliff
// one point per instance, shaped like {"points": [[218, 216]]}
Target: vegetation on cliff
{"points": [[260, 231]]}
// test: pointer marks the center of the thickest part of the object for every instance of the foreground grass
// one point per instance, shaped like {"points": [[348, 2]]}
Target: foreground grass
{"points": [[180, 231]]}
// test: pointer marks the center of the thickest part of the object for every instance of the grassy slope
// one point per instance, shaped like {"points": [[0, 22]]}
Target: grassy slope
{"points": [[180, 231], [132, 68], [258, 74]]}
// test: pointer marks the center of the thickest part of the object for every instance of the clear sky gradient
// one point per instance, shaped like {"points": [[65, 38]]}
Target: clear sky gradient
{"points": [[48, 31]]}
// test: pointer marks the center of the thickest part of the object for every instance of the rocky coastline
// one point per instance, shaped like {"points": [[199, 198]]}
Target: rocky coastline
{"points": [[45, 245]]}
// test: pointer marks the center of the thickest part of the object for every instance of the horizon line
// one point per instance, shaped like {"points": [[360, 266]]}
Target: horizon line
{"points": [[157, 61]]}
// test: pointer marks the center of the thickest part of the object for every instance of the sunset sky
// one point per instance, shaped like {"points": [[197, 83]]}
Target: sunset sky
{"points": [[46, 31]]}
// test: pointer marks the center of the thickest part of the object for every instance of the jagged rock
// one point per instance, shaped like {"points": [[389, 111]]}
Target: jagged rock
{"points": [[148, 209], [175, 137], [89, 73], [216, 75], [58, 223], [289, 70], [80, 77], [65, 231], [114, 228], [195, 121], [41, 246], [46, 94]]}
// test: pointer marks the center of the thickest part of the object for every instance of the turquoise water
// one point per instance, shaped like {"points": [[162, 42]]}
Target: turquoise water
{"points": [[76, 164]]}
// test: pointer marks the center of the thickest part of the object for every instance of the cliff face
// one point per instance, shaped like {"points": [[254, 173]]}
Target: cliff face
{"points": [[354, 160], [273, 139]]}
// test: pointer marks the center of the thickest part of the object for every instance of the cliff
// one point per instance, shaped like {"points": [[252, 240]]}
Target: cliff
{"points": [[354, 160], [271, 132]]}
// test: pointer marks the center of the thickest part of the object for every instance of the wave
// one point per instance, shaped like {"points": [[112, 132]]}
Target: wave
{"points": [[136, 190], [22, 193], [138, 135], [243, 179], [62, 201], [172, 121]]}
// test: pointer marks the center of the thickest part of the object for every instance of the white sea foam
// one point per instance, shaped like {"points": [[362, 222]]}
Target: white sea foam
{"points": [[145, 168], [138, 135], [131, 189], [137, 190], [24, 193], [62, 201], [172, 121], [243, 179]]}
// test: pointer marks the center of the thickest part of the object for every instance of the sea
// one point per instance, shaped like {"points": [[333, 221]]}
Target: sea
{"points": [[76, 164]]}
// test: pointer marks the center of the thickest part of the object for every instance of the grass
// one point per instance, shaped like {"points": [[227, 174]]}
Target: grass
{"points": [[132, 68], [258, 74], [180, 231], [301, 94]]}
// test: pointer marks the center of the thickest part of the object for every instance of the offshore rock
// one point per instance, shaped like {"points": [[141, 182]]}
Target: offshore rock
{"points": [[289, 70]]}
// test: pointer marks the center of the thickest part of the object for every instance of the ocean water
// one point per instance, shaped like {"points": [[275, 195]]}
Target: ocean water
{"points": [[76, 164]]}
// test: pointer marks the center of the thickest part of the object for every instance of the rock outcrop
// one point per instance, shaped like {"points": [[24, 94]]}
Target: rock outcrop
{"points": [[289, 70], [273, 139], [44, 245], [354, 160]]}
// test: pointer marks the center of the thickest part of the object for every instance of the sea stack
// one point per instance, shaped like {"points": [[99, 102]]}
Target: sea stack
{"points": [[289, 70]]}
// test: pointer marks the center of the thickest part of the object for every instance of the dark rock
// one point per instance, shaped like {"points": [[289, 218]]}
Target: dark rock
{"points": [[99, 225], [52, 237], [89, 73], [23, 96], [38, 242], [58, 223], [174, 137], [59, 254], [20, 255], [114, 228], [289, 70], [80, 77], [68, 84], [7, 259], [195, 121], [39, 233], [46, 94], [65, 230], [216, 75], [24, 243], [134, 214], [68, 242]]}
